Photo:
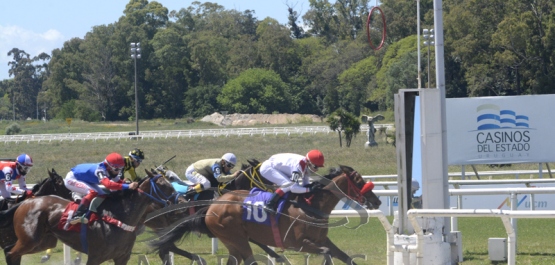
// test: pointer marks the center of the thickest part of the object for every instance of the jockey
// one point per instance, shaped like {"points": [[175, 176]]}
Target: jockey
{"points": [[208, 172], [286, 169], [84, 179], [131, 162], [10, 171]]}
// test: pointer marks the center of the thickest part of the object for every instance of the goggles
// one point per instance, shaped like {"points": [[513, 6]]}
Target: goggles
{"points": [[229, 165], [312, 166], [137, 159], [25, 169], [115, 169]]}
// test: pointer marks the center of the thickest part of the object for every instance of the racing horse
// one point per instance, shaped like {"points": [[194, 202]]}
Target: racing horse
{"points": [[36, 222], [301, 225], [248, 178], [53, 185]]}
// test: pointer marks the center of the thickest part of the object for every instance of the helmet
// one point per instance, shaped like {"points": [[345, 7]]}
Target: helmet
{"points": [[315, 157], [230, 158], [415, 185], [114, 162], [24, 163], [137, 155]]}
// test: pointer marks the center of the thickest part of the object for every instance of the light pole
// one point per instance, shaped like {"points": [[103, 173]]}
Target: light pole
{"points": [[428, 36], [136, 54]]}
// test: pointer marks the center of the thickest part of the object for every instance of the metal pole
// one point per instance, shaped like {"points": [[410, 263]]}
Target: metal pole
{"points": [[136, 97], [429, 63], [418, 38]]}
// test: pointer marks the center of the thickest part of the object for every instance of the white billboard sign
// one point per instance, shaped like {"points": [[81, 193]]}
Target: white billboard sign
{"points": [[500, 130]]}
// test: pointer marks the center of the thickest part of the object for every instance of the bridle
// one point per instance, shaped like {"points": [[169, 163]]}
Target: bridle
{"points": [[353, 192], [156, 194]]}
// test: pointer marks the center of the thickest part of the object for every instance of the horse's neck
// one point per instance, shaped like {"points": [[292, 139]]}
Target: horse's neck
{"points": [[330, 195], [132, 209]]}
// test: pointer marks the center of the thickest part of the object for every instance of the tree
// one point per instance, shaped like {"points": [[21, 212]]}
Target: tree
{"points": [[343, 121], [256, 91]]}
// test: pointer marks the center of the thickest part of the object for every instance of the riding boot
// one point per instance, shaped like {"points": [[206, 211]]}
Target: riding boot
{"points": [[193, 190], [80, 214], [272, 203]]}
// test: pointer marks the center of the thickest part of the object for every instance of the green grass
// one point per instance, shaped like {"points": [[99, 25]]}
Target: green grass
{"points": [[535, 243]]}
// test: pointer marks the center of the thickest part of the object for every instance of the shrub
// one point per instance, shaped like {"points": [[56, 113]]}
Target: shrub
{"points": [[13, 129]]}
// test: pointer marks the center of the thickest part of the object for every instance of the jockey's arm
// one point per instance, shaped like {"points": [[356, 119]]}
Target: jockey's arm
{"points": [[108, 183], [226, 178]]}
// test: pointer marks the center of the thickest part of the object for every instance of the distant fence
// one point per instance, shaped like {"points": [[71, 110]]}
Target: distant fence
{"points": [[225, 132]]}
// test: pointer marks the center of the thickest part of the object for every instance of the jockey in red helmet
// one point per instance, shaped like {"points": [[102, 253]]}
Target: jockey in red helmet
{"points": [[286, 169], [84, 179]]}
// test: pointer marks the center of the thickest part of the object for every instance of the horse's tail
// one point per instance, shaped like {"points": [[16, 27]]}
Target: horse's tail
{"points": [[6, 216], [192, 223]]}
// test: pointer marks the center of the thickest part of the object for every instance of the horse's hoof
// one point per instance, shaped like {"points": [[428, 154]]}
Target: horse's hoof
{"points": [[77, 261], [44, 258], [200, 260]]}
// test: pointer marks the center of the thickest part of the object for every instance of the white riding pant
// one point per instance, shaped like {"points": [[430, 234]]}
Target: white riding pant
{"points": [[81, 188], [4, 190], [195, 177], [279, 178]]}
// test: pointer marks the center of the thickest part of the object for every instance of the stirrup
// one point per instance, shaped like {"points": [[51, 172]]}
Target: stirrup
{"points": [[270, 208], [79, 219]]}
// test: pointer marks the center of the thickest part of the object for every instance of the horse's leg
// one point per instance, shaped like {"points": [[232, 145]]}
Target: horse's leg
{"points": [[238, 249], [173, 248], [120, 260], [270, 252], [338, 253], [11, 260]]}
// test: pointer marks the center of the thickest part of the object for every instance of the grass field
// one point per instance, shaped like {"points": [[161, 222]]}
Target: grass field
{"points": [[535, 243]]}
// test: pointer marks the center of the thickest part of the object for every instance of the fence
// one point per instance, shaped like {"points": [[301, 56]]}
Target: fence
{"points": [[503, 214], [296, 130]]}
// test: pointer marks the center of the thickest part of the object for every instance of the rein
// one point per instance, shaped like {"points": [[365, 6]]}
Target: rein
{"points": [[353, 192], [255, 180], [155, 193]]}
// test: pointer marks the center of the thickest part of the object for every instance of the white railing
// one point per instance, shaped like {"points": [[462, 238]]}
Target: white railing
{"points": [[505, 216], [225, 132]]}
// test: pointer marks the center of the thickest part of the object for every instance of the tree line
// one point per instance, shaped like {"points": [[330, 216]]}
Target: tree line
{"points": [[205, 58]]}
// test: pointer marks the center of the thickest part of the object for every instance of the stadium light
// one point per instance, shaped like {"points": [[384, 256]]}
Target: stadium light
{"points": [[136, 54], [428, 36]]}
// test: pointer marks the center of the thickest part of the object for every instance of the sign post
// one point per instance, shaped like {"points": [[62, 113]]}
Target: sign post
{"points": [[68, 120]]}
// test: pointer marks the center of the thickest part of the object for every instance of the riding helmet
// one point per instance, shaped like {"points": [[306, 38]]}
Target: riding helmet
{"points": [[315, 157]]}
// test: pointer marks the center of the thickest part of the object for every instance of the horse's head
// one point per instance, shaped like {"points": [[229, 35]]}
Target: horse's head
{"points": [[53, 185], [353, 185], [157, 187]]}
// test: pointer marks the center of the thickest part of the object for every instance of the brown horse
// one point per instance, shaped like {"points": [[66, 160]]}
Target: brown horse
{"points": [[36, 224], [248, 178], [53, 185], [302, 225]]}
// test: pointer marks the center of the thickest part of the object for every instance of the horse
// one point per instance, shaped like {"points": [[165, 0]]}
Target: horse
{"points": [[301, 225], [36, 222], [53, 185], [248, 177]]}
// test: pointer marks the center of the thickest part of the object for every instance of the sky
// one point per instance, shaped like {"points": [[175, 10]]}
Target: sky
{"points": [[37, 26]]}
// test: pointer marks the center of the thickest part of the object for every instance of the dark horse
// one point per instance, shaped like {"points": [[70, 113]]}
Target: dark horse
{"points": [[36, 220], [301, 227], [53, 185], [248, 178]]}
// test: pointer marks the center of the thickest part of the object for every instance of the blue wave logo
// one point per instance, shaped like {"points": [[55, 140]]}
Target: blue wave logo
{"points": [[490, 117]]}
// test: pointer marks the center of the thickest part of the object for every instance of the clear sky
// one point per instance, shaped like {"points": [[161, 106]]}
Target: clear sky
{"points": [[37, 26]]}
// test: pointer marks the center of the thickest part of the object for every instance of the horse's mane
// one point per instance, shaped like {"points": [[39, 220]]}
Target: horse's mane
{"points": [[36, 187]]}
